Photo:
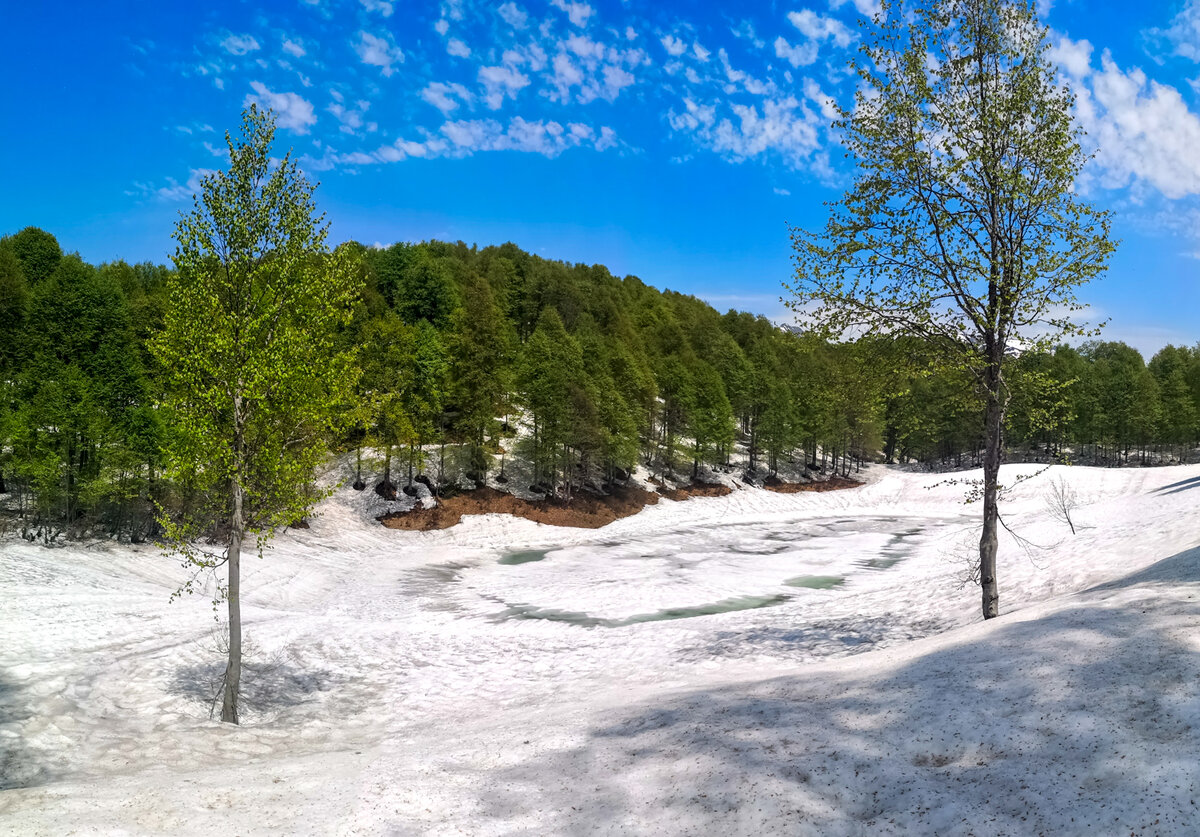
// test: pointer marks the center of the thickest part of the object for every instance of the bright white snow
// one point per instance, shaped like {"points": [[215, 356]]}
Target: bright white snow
{"points": [[757, 663]]}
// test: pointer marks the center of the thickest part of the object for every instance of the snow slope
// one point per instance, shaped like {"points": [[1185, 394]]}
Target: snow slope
{"points": [[757, 663]]}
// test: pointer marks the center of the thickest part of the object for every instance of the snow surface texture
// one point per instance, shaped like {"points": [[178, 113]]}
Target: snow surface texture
{"points": [[756, 663]]}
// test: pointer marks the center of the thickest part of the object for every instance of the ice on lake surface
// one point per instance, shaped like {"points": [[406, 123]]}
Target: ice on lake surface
{"points": [[524, 557], [816, 582], [696, 572]]}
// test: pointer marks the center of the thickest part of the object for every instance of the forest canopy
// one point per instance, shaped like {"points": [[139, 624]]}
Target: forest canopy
{"points": [[473, 355]]}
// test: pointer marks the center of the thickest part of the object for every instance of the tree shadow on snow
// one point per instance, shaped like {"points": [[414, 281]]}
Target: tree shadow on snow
{"points": [[265, 686], [1183, 567], [1177, 487], [19, 767], [1083, 721]]}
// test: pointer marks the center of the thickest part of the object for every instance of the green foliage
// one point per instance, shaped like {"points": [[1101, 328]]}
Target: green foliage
{"points": [[248, 348], [963, 228], [38, 253], [550, 370], [482, 346]]}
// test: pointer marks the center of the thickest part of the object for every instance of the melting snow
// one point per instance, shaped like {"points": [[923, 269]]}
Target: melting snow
{"points": [[757, 663]]}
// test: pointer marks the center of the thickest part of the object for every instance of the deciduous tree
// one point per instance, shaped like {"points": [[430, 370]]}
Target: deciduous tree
{"points": [[248, 349], [963, 227]]}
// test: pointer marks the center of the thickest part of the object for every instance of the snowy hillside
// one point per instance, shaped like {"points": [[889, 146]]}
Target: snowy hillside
{"points": [[756, 663]]}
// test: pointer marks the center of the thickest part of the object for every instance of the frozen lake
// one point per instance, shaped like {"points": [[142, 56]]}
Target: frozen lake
{"points": [[695, 572], [441, 682]]}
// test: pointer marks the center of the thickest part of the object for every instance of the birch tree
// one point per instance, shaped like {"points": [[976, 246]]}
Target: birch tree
{"points": [[963, 227], [248, 350]]}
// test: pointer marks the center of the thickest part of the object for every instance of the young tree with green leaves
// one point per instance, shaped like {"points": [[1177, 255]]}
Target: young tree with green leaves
{"points": [[249, 353], [963, 227]]}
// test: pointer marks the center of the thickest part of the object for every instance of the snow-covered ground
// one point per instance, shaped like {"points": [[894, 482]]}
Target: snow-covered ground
{"points": [[757, 663]]}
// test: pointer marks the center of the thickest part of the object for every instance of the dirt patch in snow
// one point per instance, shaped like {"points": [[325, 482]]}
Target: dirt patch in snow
{"points": [[831, 484], [585, 511], [700, 489]]}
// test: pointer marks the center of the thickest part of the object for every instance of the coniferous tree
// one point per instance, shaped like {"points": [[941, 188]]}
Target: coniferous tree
{"points": [[481, 368]]}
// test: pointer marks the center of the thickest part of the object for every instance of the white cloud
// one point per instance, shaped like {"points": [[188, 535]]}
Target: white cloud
{"points": [[351, 118], [782, 127], [567, 74], [294, 48], [547, 138], [586, 70], [174, 190], [674, 46], [740, 80], [699, 51], [463, 138], [239, 44], [1183, 35], [1075, 57], [819, 28], [800, 55], [378, 52], [577, 13], [870, 8], [291, 111], [606, 140], [458, 48], [381, 6], [1143, 133], [500, 81], [821, 99], [745, 31], [513, 15], [693, 116], [781, 192], [442, 96]]}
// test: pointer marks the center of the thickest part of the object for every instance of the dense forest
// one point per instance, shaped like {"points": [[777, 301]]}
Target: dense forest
{"points": [[471, 356]]}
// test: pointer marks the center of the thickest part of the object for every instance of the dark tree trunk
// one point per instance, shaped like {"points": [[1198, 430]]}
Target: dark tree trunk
{"points": [[988, 544]]}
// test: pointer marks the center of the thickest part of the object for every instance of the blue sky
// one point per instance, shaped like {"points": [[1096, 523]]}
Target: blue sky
{"points": [[674, 141]]}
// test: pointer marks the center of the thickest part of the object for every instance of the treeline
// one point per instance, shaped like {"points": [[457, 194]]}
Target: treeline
{"points": [[470, 356]]}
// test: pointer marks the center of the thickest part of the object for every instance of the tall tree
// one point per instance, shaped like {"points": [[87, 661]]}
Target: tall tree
{"points": [[963, 227], [482, 347], [37, 251], [14, 299], [248, 351]]}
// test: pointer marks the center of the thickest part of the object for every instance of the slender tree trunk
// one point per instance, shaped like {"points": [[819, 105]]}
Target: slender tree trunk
{"points": [[233, 670], [988, 544]]}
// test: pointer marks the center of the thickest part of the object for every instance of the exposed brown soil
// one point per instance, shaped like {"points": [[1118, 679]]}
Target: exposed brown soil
{"points": [[700, 489], [831, 484], [585, 511]]}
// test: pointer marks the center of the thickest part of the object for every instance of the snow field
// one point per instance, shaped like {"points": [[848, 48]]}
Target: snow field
{"points": [[411, 683]]}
